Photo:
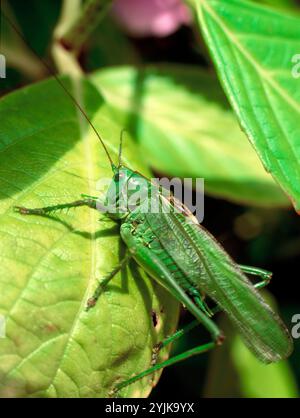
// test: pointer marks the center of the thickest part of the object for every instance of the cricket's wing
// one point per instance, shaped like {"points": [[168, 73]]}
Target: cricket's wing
{"points": [[194, 249]]}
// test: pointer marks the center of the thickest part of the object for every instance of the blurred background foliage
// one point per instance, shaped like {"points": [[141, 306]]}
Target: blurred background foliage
{"points": [[268, 237]]}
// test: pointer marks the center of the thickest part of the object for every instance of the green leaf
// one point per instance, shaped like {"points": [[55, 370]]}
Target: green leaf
{"points": [[49, 267], [289, 5], [260, 381], [185, 127], [253, 48], [235, 372]]}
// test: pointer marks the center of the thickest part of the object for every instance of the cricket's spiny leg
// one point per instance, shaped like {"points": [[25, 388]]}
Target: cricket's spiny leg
{"points": [[101, 285], [178, 334], [180, 357], [50, 209], [203, 305], [265, 275], [173, 360]]}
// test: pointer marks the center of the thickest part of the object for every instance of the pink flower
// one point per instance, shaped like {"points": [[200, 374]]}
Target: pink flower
{"points": [[151, 17]]}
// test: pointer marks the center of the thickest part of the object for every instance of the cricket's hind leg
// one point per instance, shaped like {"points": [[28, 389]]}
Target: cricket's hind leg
{"points": [[265, 275], [173, 360], [199, 301]]}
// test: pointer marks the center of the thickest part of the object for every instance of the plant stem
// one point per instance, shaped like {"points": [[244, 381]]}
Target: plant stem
{"points": [[65, 60], [24, 61], [69, 14], [91, 14]]}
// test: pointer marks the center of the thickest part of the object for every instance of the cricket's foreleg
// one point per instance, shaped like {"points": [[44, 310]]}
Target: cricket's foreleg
{"points": [[265, 275], [103, 283], [51, 209]]}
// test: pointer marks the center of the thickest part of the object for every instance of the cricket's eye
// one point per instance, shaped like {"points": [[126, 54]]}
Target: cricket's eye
{"points": [[118, 176]]}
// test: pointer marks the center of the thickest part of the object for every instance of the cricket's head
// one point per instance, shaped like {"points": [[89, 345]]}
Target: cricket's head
{"points": [[126, 191], [120, 196]]}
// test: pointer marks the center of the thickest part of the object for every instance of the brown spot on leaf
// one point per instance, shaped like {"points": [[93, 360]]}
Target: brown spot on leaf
{"points": [[154, 318]]}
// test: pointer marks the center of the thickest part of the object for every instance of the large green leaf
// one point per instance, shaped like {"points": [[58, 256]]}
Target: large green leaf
{"points": [[290, 5], [49, 266], [253, 48], [259, 381], [183, 122], [235, 372]]}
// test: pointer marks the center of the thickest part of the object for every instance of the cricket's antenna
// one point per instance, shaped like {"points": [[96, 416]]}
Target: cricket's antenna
{"points": [[120, 147], [70, 95]]}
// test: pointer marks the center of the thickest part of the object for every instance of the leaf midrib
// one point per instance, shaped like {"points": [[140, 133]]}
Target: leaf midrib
{"points": [[86, 139]]}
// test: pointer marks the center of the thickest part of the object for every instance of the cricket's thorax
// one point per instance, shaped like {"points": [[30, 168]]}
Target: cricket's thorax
{"points": [[149, 232]]}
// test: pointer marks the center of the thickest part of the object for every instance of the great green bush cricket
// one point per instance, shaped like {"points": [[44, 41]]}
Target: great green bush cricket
{"points": [[180, 254], [183, 257]]}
